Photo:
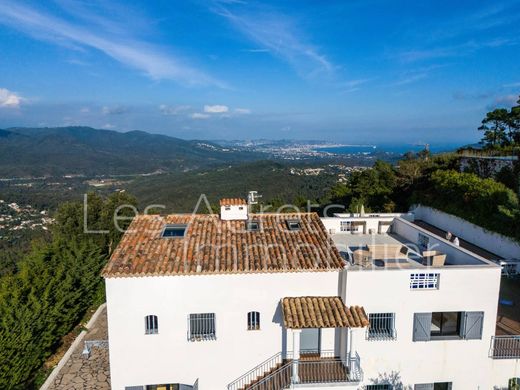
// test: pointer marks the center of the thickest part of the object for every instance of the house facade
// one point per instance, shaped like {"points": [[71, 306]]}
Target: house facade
{"points": [[274, 301]]}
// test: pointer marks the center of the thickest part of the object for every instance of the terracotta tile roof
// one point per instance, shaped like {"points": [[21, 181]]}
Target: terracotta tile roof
{"points": [[232, 202], [321, 312], [211, 245]]}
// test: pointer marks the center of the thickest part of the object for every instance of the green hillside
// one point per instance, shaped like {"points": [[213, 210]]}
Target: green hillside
{"points": [[179, 192], [88, 151]]}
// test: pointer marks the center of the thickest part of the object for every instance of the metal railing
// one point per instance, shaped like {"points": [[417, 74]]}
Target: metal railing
{"points": [[381, 327], [505, 347], [201, 327], [279, 373], [267, 365], [355, 372]]}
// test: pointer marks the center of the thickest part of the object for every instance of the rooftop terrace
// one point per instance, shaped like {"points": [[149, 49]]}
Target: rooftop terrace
{"points": [[406, 246]]}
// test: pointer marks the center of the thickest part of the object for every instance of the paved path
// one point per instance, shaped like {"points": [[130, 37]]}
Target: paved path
{"points": [[82, 373]]}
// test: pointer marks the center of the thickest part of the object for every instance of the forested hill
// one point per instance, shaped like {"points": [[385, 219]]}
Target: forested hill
{"points": [[84, 150]]}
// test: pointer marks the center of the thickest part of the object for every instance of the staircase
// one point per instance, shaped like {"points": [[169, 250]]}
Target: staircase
{"points": [[256, 374], [276, 373]]}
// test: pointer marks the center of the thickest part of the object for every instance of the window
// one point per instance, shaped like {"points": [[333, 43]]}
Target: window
{"points": [[151, 324], [252, 226], [227, 208], [433, 386], [445, 324], [241, 207], [174, 231], [385, 386], [448, 325], [293, 224], [168, 386], [202, 327], [346, 226], [253, 320], [423, 241], [382, 326], [424, 281]]}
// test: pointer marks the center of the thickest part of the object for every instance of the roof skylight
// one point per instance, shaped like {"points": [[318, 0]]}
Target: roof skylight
{"points": [[170, 231], [293, 224]]}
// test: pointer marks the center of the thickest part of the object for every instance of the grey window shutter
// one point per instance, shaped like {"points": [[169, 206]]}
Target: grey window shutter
{"points": [[472, 326], [424, 386], [422, 323]]}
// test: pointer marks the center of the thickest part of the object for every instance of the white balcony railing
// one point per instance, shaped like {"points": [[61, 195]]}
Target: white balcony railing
{"points": [[505, 347]]}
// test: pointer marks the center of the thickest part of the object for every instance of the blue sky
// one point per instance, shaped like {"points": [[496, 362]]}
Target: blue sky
{"points": [[344, 71]]}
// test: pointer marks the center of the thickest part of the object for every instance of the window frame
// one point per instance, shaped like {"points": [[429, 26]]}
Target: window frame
{"points": [[174, 226], [346, 226], [205, 321], [249, 225], [253, 320], [151, 324], [388, 331], [379, 386], [423, 241], [294, 225], [424, 280], [440, 335]]}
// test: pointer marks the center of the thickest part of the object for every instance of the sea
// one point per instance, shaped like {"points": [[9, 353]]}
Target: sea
{"points": [[388, 148]]}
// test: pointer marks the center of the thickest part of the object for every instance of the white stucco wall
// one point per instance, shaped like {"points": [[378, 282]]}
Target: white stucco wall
{"points": [[491, 241], [139, 359], [463, 362], [333, 224], [233, 212], [455, 254]]}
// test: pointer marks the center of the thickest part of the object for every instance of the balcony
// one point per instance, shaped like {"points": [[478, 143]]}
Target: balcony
{"points": [[505, 347], [319, 369]]}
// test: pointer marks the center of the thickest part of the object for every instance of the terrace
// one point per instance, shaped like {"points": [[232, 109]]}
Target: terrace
{"points": [[310, 369], [404, 246]]}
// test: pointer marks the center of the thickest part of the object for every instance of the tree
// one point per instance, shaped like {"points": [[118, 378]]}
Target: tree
{"points": [[494, 126], [371, 188], [56, 283], [515, 123], [502, 127]]}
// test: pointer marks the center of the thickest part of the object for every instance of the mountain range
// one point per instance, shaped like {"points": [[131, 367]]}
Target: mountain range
{"points": [[84, 150]]}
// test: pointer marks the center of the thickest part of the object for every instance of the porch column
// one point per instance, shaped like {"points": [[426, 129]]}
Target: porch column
{"points": [[296, 354]]}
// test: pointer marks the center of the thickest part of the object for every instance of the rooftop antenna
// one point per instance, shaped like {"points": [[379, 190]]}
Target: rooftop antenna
{"points": [[252, 198]]}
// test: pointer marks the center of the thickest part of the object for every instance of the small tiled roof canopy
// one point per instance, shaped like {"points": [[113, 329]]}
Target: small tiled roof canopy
{"points": [[321, 312], [233, 202], [212, 246]]}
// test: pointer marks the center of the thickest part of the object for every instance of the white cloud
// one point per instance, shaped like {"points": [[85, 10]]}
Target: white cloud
{"points": [[507, 100], [242, 110], [116, 110], [278, 34], [216, 109], [199, 115], [9, 99], [84, 110], [173, 110], [512, 85], [108, 126], [95, 31], [409, 79]]}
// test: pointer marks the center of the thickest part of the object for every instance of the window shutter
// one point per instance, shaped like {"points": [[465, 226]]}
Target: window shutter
{"points": [[422, 326], [424, 386], [473, 323]]}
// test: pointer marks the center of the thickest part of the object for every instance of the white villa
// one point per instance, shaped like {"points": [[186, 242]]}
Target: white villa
{"points": [[278, 301]]}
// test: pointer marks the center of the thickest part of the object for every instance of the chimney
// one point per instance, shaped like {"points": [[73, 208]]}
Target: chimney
{"points": [[233, 209]]}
